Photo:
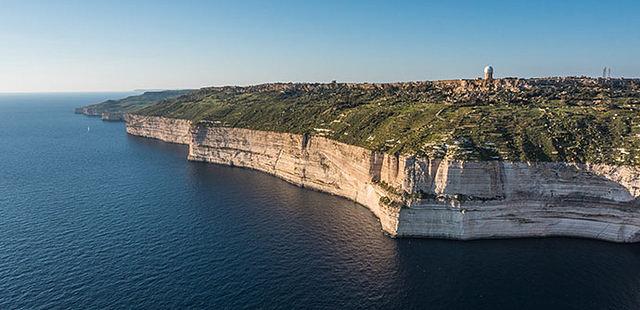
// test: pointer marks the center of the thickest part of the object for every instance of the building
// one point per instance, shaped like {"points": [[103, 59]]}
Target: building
{"points": [[488, 73]]}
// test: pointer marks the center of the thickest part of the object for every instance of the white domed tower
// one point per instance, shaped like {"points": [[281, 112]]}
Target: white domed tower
{"points": [[488, 73]]}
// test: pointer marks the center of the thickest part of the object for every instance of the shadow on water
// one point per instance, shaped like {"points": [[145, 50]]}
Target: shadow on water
{"points": [[154, 145], [551, 273]]}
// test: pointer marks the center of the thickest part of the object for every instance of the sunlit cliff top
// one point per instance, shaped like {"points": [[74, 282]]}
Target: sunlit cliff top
{"points": [[575, 119]]}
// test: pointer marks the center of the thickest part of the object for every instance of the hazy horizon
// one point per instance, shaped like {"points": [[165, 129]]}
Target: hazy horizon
{"points": [[73, 46], [124, 91]]}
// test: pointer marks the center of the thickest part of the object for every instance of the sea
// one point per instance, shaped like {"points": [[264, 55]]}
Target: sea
{"points": [[92, 218]]}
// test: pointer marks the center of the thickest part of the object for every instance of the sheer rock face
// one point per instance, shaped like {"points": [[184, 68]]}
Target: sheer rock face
{"points": [[428, 198], [504, 199], [87, 111], [166, 129]]}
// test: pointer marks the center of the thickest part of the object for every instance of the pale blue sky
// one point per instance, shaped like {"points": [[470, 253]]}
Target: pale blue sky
{"points": [[124, 45]]}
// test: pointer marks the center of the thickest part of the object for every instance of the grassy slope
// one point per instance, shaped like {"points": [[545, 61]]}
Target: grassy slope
{"points": [[590, 124], [133, 103]]}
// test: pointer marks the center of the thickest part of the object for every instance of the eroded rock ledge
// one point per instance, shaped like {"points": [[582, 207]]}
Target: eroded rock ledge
{"points": [[428, 197]]}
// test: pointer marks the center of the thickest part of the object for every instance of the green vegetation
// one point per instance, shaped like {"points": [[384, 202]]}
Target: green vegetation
{"points": [[386, 201], [554, 119], [131, 103]]}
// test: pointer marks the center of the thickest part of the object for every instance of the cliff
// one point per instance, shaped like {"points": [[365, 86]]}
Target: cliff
{"points": [[417, 196], [112, 116]]}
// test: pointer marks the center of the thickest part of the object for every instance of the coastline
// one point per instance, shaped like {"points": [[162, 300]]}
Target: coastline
{"points": [[435, 198]]}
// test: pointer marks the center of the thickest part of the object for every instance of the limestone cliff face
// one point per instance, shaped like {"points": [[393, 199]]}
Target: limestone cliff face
{"points": [[428, 198], [112, 116], [317, 163], [165, 129], [105, 116], [87, 111], [503, 199]]}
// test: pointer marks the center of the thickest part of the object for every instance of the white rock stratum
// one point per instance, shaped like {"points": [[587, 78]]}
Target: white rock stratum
{"points": [[428, 197]]}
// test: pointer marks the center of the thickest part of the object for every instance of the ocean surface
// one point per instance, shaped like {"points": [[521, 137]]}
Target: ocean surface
{"points": [[91, 218]]}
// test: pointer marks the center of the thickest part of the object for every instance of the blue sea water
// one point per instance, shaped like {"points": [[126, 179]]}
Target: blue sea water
{"points": [[93, 218]]}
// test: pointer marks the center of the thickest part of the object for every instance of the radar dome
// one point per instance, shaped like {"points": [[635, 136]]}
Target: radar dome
{"points": [[488, 73]]}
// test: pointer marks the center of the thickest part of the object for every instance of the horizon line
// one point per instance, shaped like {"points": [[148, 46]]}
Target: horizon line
{"points": [[156, 89]]}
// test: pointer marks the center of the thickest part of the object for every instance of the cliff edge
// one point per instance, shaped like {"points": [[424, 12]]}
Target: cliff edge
{"points": [[418, 196]]}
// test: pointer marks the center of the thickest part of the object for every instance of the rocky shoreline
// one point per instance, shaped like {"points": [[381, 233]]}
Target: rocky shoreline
{"points": [[421, 197]]}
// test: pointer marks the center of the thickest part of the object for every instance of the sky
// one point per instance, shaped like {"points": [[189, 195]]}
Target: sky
{"points": [[126, 45]]}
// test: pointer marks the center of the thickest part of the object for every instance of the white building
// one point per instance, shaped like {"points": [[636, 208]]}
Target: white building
{"points": [[488, 73]]}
